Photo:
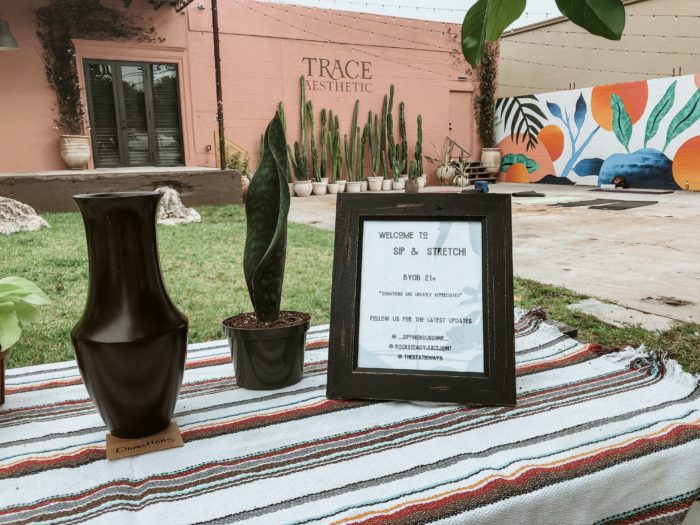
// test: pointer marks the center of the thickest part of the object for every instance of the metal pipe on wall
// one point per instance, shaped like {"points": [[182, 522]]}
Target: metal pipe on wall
{"points": [[219, 87]]}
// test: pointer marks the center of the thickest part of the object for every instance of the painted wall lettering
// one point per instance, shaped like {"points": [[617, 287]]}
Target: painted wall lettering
{"points": [[349, 76]]}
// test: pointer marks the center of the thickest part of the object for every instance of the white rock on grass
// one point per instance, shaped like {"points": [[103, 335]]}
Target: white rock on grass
{"points": [[171, 211], [16, 217]]}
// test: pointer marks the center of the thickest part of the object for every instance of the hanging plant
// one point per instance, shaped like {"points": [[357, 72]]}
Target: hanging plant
{"points": [[61, 21]]}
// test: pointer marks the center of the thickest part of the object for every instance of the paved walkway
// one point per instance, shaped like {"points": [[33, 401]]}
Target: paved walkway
{"points": [[645, 258]]}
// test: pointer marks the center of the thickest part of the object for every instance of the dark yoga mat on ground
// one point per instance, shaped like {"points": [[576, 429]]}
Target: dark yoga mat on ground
{"points": [[527, 194], [606, 204], [594, 202], [623, 205], [647, 192]]}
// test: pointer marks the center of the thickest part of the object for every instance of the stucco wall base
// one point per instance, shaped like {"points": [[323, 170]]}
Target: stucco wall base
{"points": [[54, 192]]}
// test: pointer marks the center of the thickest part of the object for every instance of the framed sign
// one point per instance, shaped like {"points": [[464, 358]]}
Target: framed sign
{"points": [[422, 301]]}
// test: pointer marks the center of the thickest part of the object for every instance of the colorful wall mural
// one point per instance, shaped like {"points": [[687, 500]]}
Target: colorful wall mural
{"points": [[646, 132]]}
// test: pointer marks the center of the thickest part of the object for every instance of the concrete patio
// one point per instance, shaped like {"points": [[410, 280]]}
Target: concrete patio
{"points": [[646, 259]]}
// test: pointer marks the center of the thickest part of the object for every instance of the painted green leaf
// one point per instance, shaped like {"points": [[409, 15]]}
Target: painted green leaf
{"points": [[622, 124], [659, 112], [485, 21], [267, 207], [10, 330], [508, 160], [686, 117], [604, 18]]}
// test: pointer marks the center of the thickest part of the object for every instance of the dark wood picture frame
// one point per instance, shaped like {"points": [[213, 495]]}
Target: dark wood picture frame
{"points": [[496, 386]]}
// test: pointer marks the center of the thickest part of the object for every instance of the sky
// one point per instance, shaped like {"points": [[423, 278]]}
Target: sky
{"points": [[436, 10]]}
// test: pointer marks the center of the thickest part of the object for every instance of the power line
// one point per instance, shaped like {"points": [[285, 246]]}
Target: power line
{"points": [[624, 35], [349, 46], [577, 67], [391, 37], [605, 49]]}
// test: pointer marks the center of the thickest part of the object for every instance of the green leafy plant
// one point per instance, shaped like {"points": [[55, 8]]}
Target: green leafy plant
{"points": [[58, 24], [485, 101], [237, 160], [487, 19], [19, 302], [267, 208]]}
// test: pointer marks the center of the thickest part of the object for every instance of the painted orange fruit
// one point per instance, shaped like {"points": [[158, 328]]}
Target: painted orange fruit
{"points": [[686, 165], [517, 173], [697, 80], [552, 138], [633, 94]]}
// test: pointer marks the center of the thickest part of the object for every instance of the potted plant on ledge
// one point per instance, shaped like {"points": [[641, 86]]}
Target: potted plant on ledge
{"points": [[267, 345]]}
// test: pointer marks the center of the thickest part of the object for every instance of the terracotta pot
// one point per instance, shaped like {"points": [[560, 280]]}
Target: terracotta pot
{"points": [[398, 184], [386, 184], [353, 187], [412, 186], [375, 183], [333, 188], [131, 341], [75, 151], [291, 189], [268, 358], [445, 175], [319, 188], [303, 188], [491, 159]]}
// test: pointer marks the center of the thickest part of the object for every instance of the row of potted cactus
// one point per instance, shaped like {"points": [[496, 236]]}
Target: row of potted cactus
{"points": [[314, 170]]}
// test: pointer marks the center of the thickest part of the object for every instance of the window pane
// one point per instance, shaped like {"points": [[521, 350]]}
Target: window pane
{"points": [[166, 115], [135, 115], [104, 120]]}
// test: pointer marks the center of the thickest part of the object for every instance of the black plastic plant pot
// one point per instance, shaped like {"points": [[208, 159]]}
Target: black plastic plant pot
{"points": [[267, 358]]}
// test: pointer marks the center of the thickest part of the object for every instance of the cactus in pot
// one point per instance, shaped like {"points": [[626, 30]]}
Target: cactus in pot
{"points": [[352, 148], [402, 134], [267, 345]]}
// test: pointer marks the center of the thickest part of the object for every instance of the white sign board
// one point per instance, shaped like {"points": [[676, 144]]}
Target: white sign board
{"points": [[421, 304]]}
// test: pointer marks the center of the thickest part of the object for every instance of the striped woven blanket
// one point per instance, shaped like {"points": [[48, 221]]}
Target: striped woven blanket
{"points": [[595, 438]]}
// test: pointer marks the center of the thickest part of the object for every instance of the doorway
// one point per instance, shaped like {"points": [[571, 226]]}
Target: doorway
{"points": [[134, 110], [461, 119]]}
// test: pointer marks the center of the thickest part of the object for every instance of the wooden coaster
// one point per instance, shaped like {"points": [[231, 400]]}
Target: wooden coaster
{"points": [[118, 448]]}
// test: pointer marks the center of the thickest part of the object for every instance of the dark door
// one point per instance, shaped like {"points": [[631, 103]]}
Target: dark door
{"points": [[134, 114]]}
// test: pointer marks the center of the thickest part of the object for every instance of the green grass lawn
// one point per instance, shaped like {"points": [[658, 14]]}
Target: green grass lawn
{"points": [[202, 267]]}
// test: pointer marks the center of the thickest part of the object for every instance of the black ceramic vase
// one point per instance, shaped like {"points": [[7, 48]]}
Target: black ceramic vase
{"points": [[131, 341]]}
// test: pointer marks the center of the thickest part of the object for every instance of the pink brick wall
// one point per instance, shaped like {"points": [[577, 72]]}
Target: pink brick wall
{"points": [[263, 50]]}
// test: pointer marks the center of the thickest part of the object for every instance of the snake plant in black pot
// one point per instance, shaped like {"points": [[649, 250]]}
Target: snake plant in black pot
{"points": [[267, 345]]}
